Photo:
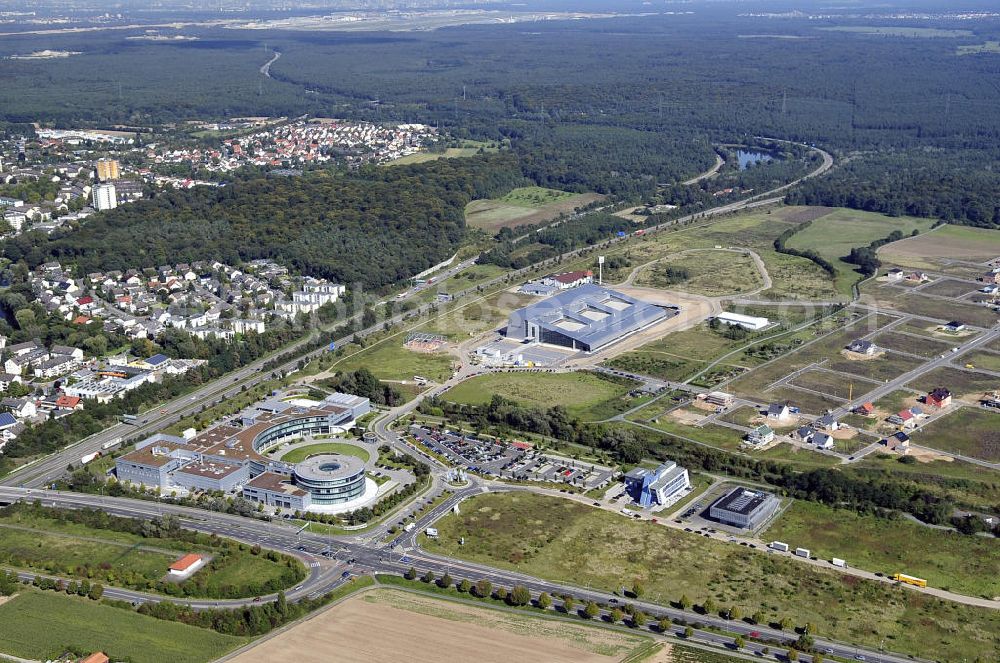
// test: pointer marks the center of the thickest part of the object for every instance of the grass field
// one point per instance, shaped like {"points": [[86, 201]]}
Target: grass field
{"points": [[300, 454], [989, 361], [970, 384], [949, 288], [524, 206], [963, 564], [394, 625], [389, 360], [923, 346], [72, 550], [833, 384], [713, 435], [969, 431], [567, 541], [948, 241], [40, 625], [469, 148], [835, 234], [585, 395], [477, 317], [710, 273]]}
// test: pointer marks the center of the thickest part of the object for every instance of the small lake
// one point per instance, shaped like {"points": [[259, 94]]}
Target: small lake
{"points": [[749, 158]]}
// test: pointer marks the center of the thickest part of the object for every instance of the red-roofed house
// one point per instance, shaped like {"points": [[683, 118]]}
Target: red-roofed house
{"points": [[96, 657], [865, 409], [65, 402], [938, 398], [186, 566], [571, 279]]}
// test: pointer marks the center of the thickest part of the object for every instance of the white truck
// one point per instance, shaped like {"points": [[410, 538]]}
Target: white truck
{"points": [[111, 443], [802, 552], [779, 546], [431, 531], [89, 457], [409, 527], [836, 561]]}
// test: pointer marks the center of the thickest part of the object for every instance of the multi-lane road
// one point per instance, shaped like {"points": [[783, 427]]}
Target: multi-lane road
{"points": [[326, 574]]}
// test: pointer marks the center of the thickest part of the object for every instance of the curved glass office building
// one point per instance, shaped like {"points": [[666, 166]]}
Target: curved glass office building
{"points": [[331, 478]]}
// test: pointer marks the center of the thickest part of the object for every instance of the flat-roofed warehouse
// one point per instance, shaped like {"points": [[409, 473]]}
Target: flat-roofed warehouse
{"points": [[586, 318], [743, 507]]}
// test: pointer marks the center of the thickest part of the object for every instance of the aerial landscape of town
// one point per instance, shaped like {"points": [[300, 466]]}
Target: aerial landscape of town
{"points": [[568, 330]]}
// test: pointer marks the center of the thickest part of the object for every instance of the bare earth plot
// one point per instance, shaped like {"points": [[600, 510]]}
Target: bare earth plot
{"points": [[390, 625]]}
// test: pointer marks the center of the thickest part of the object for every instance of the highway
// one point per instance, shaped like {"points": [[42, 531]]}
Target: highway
{"points": [[326, 574]]}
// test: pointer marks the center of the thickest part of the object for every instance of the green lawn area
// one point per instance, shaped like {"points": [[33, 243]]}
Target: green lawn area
{"points": [[566, 541], [389, 360], [36, 541], [964, 564], [469, 148], [923, 346], [713, 435], [801, 459], [969, 431], [300, 454], [40, 625], [834, 235], [583, 394]]}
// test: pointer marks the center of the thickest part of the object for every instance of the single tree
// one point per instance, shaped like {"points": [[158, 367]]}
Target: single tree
{"points": [[544, 601], [739, 642], [786, 623], [638, 589], [638, 619], [411, 574], [501, 594], [484, 588], [591, 610], [464, 586], [663, 625], [758, 617], [688, 632], [568, 603], [616, 616], [445, 582], [709, 606], [792, 655], [735, 613], [428, 577], [520, 595], [685, 602]]}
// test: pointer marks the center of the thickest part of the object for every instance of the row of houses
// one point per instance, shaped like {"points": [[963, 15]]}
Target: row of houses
{"points": [[205, 298]]}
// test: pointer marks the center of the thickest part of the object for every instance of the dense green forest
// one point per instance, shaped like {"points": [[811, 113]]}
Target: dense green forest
{"points": [[372, 228], [958, 186]]}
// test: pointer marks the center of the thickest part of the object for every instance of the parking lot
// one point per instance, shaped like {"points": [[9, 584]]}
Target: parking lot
{"points": [[513, 461]]}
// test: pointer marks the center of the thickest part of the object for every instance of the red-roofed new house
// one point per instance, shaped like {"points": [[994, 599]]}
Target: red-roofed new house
{"points": [[186, 566], [569, 280], [939, 398]]}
